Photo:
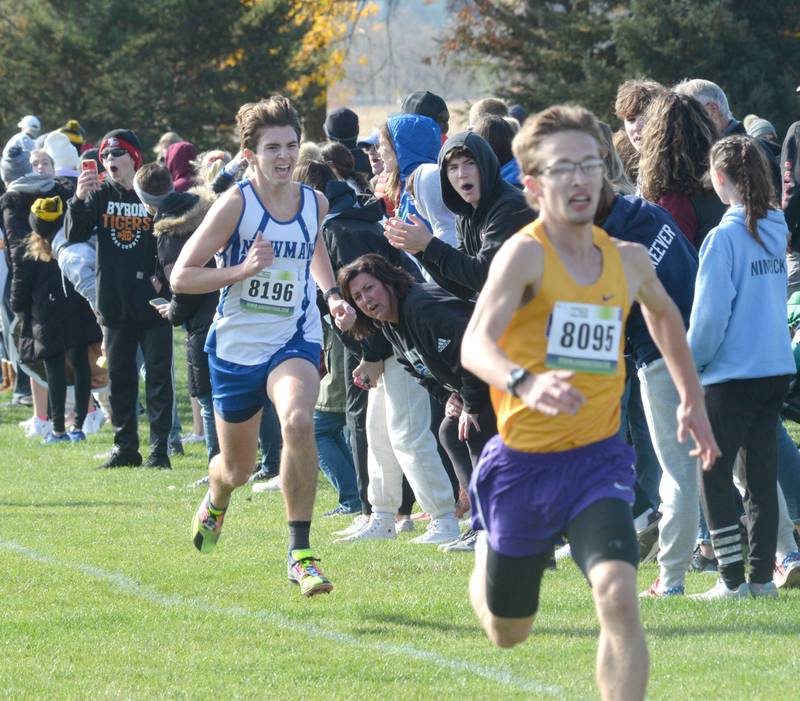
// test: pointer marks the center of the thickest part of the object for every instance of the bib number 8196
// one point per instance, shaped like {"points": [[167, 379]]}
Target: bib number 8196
{"points": [[276, 291]]}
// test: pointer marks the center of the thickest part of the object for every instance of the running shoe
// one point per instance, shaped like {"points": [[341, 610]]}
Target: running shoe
{"points": [[94, 421], [787, 571], [207, 525], [262, 474], [358, 523], [465, 543], [440, 530], [304, 570], [202, 482], [38, 427], [53, 438], [701, 563], [189, 438], [720, 591], [342, 510], [379, 527], [76, 435], [767, 590], [271, 485], [656, 591]]}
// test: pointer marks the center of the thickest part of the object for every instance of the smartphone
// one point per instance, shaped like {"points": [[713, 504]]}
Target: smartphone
{"points": [[89, 164], [158, 301], [358, 383]]}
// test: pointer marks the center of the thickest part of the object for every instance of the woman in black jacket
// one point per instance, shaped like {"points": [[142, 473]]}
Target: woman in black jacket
{"points": [[425, 326], [56, 321]]}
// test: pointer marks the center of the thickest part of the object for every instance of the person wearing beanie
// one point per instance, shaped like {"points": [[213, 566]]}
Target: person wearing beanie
{"points": [[75, 133], [760, 128], [30, 127], [56, 322], [342, 125], [430, 105], [63, 153], [126, 282], [179, 161], [167, 139], [16, 162]]}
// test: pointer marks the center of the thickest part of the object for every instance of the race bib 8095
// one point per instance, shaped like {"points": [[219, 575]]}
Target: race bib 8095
{"points": [[584, 338]]}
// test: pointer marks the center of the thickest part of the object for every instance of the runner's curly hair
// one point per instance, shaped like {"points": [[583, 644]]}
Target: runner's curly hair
{"points": [[676, 142], [384, 272], [742, 161]]}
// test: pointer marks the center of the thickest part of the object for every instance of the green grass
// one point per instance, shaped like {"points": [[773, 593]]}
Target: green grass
{"points": [[103, 596]]}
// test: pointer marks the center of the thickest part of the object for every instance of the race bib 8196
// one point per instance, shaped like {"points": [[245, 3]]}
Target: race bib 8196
{"points": [[271, 292]]}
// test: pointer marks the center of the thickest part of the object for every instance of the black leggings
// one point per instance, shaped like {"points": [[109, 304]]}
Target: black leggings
{"points": [[465, 455], [57, 386]]}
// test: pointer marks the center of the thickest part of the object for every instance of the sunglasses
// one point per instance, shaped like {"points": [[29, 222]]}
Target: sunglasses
{"points": [[116, 152]]}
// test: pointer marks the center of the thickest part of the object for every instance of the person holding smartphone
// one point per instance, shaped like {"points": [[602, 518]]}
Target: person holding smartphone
{"points": [[126, 282]]}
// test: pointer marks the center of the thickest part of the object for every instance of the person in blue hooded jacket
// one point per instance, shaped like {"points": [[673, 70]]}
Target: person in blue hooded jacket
{"points": [[738, 337], [488, 209]]}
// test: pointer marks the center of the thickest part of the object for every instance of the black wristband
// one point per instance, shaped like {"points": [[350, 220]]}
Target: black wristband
{"points": [[335, 290]]}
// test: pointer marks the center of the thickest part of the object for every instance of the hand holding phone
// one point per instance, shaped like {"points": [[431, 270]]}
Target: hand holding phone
{"points": [[158, 301], [88, 181]]}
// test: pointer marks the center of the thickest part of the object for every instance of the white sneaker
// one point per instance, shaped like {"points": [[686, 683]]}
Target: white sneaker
{"points": [[192, 438], [440, 530], [271, 485], [464, 544], [25, 423], [404, 525], [358, 523], [94, 421], [767, 590], [380, 527], [720, 591], [38, 427], [563, 552]]}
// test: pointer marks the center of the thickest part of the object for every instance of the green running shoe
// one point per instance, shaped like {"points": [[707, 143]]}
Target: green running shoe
{"points": [[207, 525], [303, 570]]}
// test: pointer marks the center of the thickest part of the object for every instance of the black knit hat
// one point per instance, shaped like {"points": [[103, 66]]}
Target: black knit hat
{"points": [[342, 125], [427, 104], [124, 138]]}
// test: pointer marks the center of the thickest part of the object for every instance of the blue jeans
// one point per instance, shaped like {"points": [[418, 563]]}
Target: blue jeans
{"points": [[789, 472], [335, 458], [209, 426], [648, 469]]}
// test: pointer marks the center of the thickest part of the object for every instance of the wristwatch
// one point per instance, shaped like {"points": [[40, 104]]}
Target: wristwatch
{"points": [[335, 290], [514, 379]]}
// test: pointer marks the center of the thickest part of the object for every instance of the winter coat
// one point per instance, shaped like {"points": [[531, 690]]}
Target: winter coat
{"points": [[176, 220], [634, 219], [790, 164], [54, 317], [501, 212]]}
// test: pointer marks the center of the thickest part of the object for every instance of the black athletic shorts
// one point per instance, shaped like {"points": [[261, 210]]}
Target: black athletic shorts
{"points": [[602, 531]]}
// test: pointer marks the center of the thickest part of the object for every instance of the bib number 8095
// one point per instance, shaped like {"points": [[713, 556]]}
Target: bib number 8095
{"points": [[582, 335]]}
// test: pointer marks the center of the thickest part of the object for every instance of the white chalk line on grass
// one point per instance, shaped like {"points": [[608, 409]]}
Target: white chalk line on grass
{"points": [[129, 586]]}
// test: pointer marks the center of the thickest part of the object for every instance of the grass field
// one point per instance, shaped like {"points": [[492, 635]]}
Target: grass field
{"points": [[103, 596]]}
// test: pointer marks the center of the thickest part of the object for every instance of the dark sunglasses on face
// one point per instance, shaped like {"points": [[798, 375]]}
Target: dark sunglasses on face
{"points": [[116, 152]]}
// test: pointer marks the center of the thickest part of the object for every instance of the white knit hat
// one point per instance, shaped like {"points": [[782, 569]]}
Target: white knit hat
{"points": [[61, 150], [30, 123]]}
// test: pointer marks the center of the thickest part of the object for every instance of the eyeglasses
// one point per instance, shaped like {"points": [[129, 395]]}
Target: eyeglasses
{"points": [[565, 170], [116, 152]]}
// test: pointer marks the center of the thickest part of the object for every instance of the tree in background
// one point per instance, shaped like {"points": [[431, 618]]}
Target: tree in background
{"points": [[184, 65], [541, 53]]}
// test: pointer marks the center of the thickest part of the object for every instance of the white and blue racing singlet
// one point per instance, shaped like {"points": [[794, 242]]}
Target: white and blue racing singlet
{"points": [[259, 315]]}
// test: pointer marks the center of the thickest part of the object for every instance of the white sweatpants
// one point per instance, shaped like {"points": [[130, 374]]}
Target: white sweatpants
{"points": [[401, 443]]}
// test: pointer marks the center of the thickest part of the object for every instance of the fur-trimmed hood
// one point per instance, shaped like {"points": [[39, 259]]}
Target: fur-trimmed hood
{"points": [[182, 212]]}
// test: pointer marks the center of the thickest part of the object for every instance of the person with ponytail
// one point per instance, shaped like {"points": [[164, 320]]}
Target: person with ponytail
{"points": [[737, 333]]}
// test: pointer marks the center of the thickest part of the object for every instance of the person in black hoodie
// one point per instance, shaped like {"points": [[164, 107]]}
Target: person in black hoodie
{"points": [[126, 282], [489, 210], [56, 321], [425, 326], [176, 216]]}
